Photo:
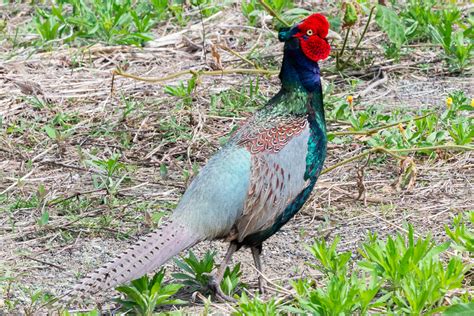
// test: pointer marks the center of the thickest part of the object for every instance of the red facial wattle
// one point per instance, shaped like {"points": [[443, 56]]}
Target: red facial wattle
{"points": [[312, 33]]}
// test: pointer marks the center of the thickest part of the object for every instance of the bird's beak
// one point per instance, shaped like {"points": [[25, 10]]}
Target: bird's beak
{"points": [[287, 33], [333, 36]]}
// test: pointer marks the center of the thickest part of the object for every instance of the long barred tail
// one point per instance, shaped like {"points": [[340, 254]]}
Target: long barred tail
{"points": [[150, 252]]}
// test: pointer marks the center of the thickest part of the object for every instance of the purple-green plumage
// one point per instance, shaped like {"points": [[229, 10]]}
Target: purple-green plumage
{"points": [[255, 183]]}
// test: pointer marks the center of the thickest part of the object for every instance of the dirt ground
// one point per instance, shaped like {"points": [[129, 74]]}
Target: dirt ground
{"points": [[83, 230]]}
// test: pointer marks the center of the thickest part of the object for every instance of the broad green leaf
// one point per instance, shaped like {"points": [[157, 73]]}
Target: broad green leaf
{"points": [[462, 309], [390, 23], [50, 131], [132, 293], [44, 219]]}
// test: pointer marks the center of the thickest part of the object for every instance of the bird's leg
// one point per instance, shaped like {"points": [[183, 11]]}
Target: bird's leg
{"points": [[216, 279], [256, 253]]}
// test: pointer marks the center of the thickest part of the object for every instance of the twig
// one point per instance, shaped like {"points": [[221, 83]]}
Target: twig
{"points": [[339, 54], [392, 152], [361, 36], [119, 72], [112, 84], [440, 147], [373, 85], [204, 53], [14, 184], [208, 301], [74, 195], [273, 13], [370, 199], [45, 262], [277, 287], [236, 54], [360, 180]]}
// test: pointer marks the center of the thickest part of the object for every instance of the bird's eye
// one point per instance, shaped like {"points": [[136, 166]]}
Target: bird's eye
{"points": [[309, 32]]}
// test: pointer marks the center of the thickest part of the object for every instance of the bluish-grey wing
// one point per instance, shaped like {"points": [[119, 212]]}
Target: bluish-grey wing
{"points": [[216, 197]]}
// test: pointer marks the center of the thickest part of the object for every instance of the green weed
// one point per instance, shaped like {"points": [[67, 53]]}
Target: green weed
{"points": [[113, 173], [256, 306], [206, 7], [144, 295], [343, 293], [234, 103], [400, 275], [252, 9], [25, 203], [197, 272], [183, 91], [462, 132], [417, 280], [111, 21], [462, 233], [27, 301], [340, 296], [453, 125], [425, 21], [173, 129], [330, 262], [231, 281]]}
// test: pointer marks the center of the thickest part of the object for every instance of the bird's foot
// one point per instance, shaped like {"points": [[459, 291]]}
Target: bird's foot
{"points": [[215, 288], [262, 284]]}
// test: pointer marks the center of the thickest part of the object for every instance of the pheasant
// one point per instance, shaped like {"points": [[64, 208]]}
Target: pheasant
{"points": [[256, 183]]}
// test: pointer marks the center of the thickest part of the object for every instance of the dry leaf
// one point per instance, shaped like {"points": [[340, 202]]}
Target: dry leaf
{"points": [[216, 58], [29, 87], [407, 178], [148, 219]]}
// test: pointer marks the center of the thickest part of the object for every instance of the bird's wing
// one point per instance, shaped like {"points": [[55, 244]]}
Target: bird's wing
{"points": [[277, 174], [209, 208], [215, 198]]}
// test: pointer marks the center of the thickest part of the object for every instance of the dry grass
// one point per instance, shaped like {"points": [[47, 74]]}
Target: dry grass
{"points": [[87, 226]]}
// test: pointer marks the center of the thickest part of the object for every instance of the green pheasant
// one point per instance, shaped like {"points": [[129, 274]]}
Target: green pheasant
{"points": [[257, 182]]}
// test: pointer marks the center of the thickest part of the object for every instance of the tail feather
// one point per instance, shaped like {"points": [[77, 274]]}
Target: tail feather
{"points": [[150, 252]]}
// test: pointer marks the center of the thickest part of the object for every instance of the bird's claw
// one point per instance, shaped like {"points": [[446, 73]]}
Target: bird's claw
{"points": [[262, 284], [215, 288]]}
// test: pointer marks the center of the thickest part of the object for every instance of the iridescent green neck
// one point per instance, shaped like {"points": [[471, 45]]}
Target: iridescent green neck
{"points": [[301, 91]]}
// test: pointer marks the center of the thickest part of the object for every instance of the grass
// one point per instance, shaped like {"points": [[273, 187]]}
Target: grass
{"points": [[400, 275], [110, 166], [453, 126]]}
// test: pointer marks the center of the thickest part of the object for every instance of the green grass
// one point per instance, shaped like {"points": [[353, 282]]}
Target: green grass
{"points": [[125, 22], [236, 103], [454, 126], [196, 274], [428, 21], [143, 295], [402, 274]]}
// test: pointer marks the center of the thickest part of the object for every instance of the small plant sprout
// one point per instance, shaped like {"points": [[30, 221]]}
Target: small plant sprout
{"points": [[142, 296], [231, 281], [112, 173], [197, 272], [255, 306], [462, 233]]}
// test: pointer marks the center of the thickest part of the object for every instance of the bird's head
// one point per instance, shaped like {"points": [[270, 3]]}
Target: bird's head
{"points": [[311, 36]]}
